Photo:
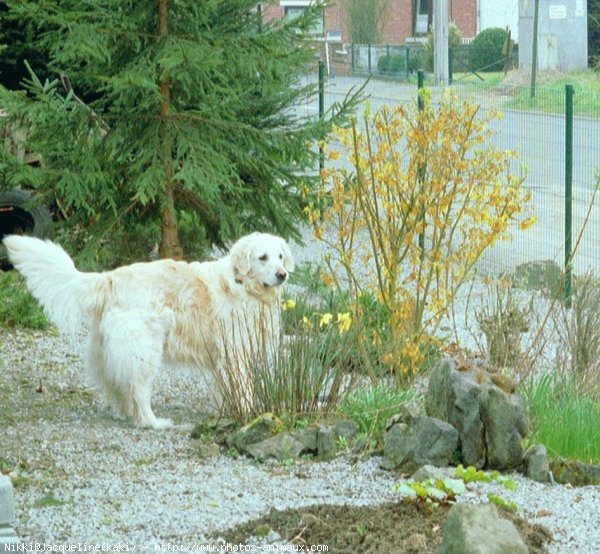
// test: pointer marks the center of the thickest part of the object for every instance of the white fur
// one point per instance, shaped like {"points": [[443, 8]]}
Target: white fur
{"points": [[145, 316]]}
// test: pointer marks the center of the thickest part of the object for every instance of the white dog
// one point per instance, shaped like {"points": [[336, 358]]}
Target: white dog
{"points": [[146, 315]]}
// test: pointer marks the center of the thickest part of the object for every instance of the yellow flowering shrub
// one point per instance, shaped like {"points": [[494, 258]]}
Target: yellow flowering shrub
{"points": [[424, 197]]}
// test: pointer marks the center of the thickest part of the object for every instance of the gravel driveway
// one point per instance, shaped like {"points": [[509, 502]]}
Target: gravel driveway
{"points": [[83, 476]]}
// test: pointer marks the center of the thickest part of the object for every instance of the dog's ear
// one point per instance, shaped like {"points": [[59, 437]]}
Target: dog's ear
{"points": [[241, 255], [288, 259]]}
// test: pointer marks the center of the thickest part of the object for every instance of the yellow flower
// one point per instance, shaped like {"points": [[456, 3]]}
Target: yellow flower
{"points": [[289, 304], [527, 223], [325, 319], [343, 322], [333, 155], [305, 323]]}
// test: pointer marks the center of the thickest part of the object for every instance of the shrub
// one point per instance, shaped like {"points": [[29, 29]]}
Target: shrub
{"points": [[393, 64], [503, 321], [409, 220], [578, 331], [454, 42], [485, 52]]}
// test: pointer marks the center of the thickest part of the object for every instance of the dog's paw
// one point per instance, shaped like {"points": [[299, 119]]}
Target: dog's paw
{"points": [[162, 423]]}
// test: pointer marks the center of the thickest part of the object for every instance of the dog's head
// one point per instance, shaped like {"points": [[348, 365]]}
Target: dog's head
{"points": [[261, 262]]}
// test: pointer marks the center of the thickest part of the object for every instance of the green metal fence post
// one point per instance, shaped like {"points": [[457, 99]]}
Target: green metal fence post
{"points": [[352, 56], [369, 57], [420, 80], [449, 66], [321, 108], [421, 170], [407, 52], [569, 91], [259, 19]]}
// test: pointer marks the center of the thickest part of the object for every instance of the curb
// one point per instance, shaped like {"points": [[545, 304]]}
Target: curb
{"points": [[7, 515]]}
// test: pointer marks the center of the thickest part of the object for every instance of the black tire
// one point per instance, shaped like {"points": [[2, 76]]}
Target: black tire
{"points": [[21, 214]]}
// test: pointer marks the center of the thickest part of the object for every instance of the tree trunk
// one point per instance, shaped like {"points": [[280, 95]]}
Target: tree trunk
{"points": [[170, 247]]}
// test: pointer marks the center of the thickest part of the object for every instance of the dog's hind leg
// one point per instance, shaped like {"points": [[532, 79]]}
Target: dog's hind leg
{"points": [[133, 351]]}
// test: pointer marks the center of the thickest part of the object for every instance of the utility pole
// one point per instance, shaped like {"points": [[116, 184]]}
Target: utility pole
{"points": [[534, 46], [440, 42]]}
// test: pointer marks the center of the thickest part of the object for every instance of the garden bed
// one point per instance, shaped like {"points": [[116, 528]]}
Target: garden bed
{"points": [[80, 475]]}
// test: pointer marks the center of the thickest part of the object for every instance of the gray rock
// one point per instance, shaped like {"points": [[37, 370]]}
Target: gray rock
{"points": [[327, 445], [425, 441], [308, 437], [490, 421], [505, 421], [261, 428], [346, 429], [477, 529], [454, 396], [574, 472], [7, 513], [408, 411], [7, 504], [207, 450], [281, 447], [537, 464], [432, 472]]}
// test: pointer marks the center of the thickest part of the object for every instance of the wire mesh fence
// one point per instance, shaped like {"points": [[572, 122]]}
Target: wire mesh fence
{"points": [[534, 128]]}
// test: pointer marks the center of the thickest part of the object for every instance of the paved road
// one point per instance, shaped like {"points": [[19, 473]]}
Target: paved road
{"points": [[539, 140]]}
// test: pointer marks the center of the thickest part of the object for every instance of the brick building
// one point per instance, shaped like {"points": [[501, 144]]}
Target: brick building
{"points": [[406, 21]]}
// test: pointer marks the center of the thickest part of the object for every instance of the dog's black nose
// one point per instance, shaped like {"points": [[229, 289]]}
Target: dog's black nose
{"points": [[281, 275]]}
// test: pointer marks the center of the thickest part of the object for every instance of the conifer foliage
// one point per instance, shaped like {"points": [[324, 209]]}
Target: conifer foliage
{"points": [[174, 117]]}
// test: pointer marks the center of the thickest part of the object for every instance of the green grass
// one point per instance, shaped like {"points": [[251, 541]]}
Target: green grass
{"points": [[550, 95], [17, 307], [564, 419], [371, 407], [489, 79]]}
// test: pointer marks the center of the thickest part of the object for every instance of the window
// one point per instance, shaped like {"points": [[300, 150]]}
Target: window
{"points": [[293, 9], [421, 16]]}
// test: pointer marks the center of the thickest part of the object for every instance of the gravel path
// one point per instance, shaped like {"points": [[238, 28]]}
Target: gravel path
{"points": [[82, 476]]}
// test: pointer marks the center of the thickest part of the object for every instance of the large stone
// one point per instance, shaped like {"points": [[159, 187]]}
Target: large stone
{"points": [[454, 397], [346, 429], [490, 421], [261, 428], [327, 445], [574, 472], [505, 420], [281, 447], [537, 466], [424, 441], [478, 529], [308, 437], [7, 514]]}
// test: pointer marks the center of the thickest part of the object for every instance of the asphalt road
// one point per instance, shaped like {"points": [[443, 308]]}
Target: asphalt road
{"points": [[539, 140]]}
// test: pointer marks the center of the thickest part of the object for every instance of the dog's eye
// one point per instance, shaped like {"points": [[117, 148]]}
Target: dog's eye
{"points": [[263, 258], [281, 256]]}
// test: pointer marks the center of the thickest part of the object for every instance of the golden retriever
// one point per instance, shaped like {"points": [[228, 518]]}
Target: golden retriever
{"points": [[144, 316]]}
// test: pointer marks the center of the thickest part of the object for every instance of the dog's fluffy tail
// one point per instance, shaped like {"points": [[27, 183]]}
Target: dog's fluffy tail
{"points": [[67, 295]]}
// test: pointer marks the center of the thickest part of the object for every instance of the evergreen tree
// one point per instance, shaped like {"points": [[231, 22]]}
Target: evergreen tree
{"points": [[168, 118]]}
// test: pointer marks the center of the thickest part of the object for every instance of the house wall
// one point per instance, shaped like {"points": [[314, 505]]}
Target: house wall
{"points": [[398, 25]]}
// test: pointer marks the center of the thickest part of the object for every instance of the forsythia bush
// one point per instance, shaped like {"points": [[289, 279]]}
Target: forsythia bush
{"points": [[424, 197]]}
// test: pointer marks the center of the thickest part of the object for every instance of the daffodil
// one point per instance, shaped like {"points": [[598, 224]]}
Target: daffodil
{"points": [[344, 321], [325, 320], [288, 304], [305, 323]]}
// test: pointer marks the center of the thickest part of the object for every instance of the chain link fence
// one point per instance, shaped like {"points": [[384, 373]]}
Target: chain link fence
{"points": [[536, 130]]}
